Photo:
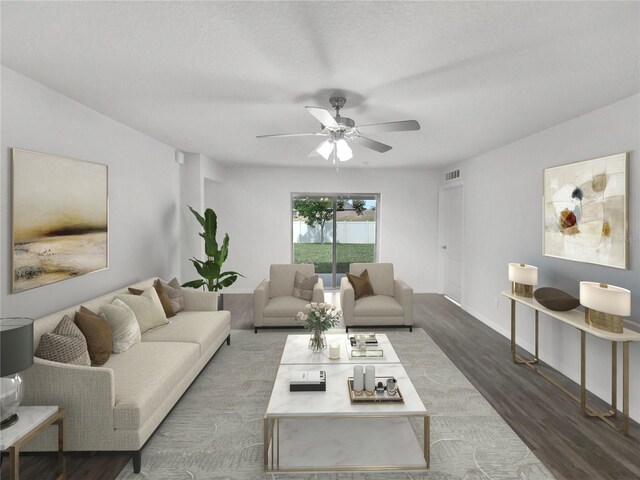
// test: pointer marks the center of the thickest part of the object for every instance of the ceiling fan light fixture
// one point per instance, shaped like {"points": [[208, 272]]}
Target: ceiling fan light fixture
{"points": [[343, 150], [325, 149], [341, 131]]}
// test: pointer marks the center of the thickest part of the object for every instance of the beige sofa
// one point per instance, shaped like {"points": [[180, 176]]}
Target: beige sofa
{"points": [[118, 405], [392, 304], [273, 303]]}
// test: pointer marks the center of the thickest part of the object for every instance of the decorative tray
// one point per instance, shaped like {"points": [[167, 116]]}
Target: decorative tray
{"points": [[369, 352], [376, 397]]}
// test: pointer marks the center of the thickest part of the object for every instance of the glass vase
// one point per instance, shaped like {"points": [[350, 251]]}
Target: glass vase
{"points": [[317, 341]]}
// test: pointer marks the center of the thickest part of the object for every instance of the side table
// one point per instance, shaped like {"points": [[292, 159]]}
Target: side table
{"points": [[32, 421]]}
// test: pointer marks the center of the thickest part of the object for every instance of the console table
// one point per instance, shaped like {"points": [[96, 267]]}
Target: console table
{"points": [[575, 318]]}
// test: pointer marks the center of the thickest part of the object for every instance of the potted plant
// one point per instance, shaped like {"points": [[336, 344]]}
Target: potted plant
{"points": [[213, 278]]}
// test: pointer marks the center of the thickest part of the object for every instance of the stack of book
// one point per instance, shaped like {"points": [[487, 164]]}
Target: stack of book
{"points": [[370, 340], [313, 381]]}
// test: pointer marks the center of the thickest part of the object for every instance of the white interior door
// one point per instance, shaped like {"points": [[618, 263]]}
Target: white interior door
{"points": [[452, 225]]}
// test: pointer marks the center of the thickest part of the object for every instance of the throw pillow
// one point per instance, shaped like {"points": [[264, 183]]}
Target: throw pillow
{"points": [[65, 344], [303, 286], [361, 284], [124, 325], [175, 293], [162, 295], [147, 308], [98, 334]]}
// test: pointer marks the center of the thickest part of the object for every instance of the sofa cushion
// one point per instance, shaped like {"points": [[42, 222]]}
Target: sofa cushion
{"points": [[378, 306], [282, 276], [65, 344], [145, 375], [284, 306], [303, 286], [199, 300], [380, 274], [202, 328], [147, 308], [361, 284], [175, 294], [165, 301], [124, 325], [97, 332]]}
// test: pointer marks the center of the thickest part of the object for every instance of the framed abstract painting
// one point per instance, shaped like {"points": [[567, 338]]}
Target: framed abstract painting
{"points": [[586, 211], [60, 218]]}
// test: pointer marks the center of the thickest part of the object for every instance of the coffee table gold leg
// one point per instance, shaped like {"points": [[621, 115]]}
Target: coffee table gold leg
{"points": [[427, 440], [278, 443], [265, 448]]}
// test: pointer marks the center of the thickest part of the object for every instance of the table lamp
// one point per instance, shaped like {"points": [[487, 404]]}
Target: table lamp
{"points": [[16, 355], [523, 278], [605, 305]]}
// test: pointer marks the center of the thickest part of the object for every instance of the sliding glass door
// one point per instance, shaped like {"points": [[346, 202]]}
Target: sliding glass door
{"points": [[333, 230]]}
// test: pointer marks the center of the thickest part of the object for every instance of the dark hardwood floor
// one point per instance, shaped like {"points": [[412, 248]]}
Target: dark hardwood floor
{"points": [[80, 466], [549, 422]]}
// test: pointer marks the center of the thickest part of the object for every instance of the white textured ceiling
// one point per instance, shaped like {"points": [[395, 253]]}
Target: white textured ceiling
{"points": [[208, 77]]}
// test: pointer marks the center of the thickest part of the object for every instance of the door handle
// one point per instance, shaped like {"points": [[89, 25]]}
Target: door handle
{"points": [[444, 247]]}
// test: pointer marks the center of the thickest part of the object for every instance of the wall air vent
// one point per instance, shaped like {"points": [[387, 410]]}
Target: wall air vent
{"points": [[452, 175]]}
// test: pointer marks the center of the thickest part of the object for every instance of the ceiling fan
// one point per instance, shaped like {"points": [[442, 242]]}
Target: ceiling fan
{"points": [[340, 131]]}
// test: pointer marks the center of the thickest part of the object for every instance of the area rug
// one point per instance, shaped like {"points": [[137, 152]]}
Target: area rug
{"points": [[215, 430]]}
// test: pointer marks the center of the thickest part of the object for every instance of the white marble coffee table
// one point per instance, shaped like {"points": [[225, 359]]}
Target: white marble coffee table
{"points": [[296, 351], [324, 431]]}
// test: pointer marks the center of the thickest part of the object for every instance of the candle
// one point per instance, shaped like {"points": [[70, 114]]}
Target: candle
{"points": [[358, 379], [334, 351], [370, 379], [391, 386]]}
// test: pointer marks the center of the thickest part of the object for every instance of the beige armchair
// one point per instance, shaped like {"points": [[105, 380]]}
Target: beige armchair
{"points": [[273, 302], [392, 304]]}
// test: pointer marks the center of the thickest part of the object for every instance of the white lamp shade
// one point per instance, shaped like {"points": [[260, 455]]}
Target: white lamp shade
{"points": [[343, 150], [325, 149], [524, 274], [606, 298]]}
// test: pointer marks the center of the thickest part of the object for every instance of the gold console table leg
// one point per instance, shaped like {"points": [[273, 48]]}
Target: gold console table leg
{"points": [[585, 409], [625, 388], [514, 355], [583, 373], [513, 330]]}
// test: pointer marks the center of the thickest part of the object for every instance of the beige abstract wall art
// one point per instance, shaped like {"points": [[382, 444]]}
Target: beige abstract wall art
{"points": [[60, 218], [586, 211]]}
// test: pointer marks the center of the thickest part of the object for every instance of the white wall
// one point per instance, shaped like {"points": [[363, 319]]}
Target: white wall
{"points": [[191, 195], [254, 206], [503, 222], [143, 192]]}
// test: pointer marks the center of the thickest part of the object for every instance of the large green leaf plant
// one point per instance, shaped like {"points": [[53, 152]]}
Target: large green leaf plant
{"points": [[213, 278]]}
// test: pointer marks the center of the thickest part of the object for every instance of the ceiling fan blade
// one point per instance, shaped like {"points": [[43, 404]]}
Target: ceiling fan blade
{"points": [[402, 126], [290, 135], [323, 116], [372, 144]]}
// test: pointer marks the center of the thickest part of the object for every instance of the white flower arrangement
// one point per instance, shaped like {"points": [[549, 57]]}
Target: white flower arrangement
{"points": [[319, 316]]}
